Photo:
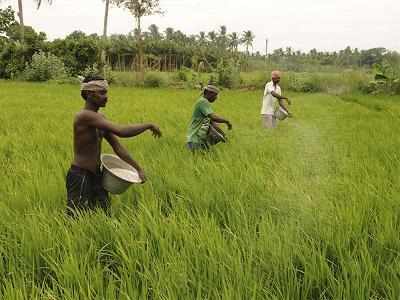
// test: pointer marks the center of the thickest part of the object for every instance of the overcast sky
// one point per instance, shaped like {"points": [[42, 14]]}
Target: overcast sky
{"points": [[301, 24]]}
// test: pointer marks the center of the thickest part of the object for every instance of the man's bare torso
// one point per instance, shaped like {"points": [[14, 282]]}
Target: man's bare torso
{"points": [[87, 145]]}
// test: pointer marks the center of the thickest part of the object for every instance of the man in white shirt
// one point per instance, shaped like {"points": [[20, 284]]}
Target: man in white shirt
{"points": [[272, 95]]}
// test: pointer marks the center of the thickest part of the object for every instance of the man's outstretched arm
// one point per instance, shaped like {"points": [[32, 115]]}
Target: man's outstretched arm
{"points": [[217, 119], [100, 122]]}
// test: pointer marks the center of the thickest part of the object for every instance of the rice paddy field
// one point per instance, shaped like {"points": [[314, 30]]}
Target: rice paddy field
{"points": [[307, 211]]}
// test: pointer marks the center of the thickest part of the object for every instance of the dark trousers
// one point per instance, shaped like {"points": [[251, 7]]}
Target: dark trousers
{"points": [[85, 191]]}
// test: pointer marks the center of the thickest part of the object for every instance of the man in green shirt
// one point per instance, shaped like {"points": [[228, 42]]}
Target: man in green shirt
{"points": [[203, 120]]}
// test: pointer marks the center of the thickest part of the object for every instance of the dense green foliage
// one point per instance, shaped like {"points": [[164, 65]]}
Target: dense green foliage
{"points": [[218, 52], [14, 55], [44, 67], [309, 211], [6, 19], [78, 51]]}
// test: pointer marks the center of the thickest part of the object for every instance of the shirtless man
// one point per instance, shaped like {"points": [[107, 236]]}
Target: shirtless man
{"points": [[84, 187]]}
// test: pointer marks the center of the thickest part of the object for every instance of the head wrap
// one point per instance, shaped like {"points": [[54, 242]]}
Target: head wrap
{"points": [[212, 88], [95, 86], [275, 74]]}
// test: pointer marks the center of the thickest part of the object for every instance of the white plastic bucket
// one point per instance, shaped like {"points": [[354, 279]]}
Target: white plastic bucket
{"points": [[281, 114], [118, 176]]}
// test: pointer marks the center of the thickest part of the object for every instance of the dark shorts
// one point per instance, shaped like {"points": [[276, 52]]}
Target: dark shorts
{"points": [[85, 191]]}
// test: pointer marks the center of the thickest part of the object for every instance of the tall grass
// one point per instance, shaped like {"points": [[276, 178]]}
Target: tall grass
{"points": [[163, 79], [309, 211], [333, 83], [339, 83]]}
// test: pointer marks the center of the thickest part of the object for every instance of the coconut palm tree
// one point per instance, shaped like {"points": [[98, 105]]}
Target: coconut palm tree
{"points": [[222, 38], [234, 41], [169, 33], [154, 32], [248, 39], [140, 9], [212, 36], [202, 37]]}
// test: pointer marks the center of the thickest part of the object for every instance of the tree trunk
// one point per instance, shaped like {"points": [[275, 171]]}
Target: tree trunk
{"points": [[21, 20], [106, 19], [140, 48], [103, 51]]}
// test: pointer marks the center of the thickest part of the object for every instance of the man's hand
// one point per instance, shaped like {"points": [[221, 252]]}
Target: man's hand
{"points": [[142, 176], [229, 125], [288, 101], [156, 131]]}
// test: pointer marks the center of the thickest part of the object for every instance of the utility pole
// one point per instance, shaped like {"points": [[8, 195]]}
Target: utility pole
{"points": [[266, 51]]}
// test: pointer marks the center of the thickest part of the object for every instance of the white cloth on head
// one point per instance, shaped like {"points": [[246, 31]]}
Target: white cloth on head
{"points": [[95, 85], [212, 88], [269, 101]]}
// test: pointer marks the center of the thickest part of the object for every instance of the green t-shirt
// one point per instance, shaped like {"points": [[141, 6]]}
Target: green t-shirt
{"points": [[200, 122]]}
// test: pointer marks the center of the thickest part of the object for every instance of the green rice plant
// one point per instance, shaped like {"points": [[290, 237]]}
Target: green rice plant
{"points": [[307, 211]]}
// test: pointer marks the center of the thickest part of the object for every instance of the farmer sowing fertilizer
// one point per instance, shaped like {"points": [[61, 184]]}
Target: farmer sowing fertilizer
{"points": [[84, 180], [272, 95], [203, 129]]}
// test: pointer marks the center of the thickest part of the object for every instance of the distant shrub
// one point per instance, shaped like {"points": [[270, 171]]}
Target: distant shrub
{"points": [[386, 80], [108, 74], [254, 80], [91, 71], [192, 80], [304, 83], [333, 83], [124, 78], [381, 87], [94, 70], [67, 80], [184, 74], [154, 80], [228, 75], [44, 67], [212, 80], [396, 86], [369, 87], [310, 86]]}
